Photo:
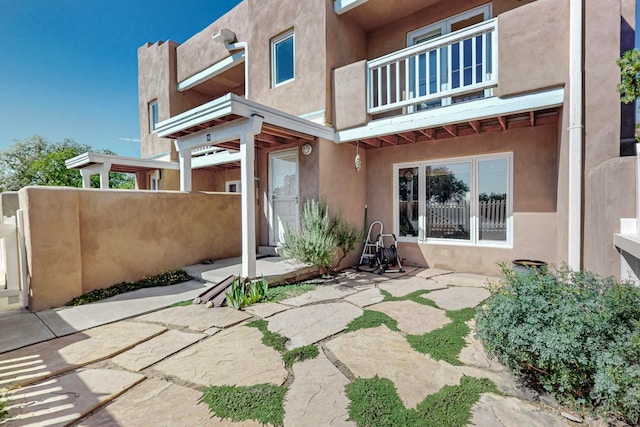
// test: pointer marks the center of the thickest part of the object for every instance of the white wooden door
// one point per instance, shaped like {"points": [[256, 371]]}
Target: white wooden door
{"points": [[283, 193]]}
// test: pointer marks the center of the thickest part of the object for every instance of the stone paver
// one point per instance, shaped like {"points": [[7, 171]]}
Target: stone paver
{"points": [[59, 401], [33, 363], [317, 395], [379, 351], [360, 279], [503, 380], [266, 309], [21, 328], [464, 279], [319, 294], [501, 411], [413, 318], [197, 317], [365, 298], [309, 324], [457, 298], [149, 352], [233, 356], [159, 403], [473, 354], [406, 285], [431, 272]]}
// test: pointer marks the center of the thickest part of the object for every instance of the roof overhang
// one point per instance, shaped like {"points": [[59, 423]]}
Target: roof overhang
{"points": [[465, 112], [277, 125], [119, 163], [212, 71]]}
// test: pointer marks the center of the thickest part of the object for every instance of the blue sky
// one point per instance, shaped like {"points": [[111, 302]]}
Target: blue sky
{"points": [[69, 67]]}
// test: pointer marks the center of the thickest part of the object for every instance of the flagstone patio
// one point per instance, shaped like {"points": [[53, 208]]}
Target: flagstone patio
{"points": [[150, 370]]}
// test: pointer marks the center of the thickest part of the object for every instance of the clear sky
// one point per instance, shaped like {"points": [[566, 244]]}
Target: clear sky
{"points": [[69, 67]]}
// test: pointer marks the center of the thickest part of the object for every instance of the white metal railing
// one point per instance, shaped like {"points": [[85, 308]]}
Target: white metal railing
{"points": [[458, 63]]}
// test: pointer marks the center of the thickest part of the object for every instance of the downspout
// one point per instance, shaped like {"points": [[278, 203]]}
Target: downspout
{"points": [[245, 47], [576, 128]]}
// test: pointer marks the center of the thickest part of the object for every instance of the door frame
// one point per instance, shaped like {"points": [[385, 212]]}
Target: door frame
{"points": [[280, 154]]}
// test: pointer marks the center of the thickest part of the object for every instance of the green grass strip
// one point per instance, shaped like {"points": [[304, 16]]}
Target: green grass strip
{"points": [[372, 319], [270, 339], [299, 354], [172, 277], [415, 296], [278, 293], [447, 342], [375, 402], [262, 403], [451, 405], [182, 303]]}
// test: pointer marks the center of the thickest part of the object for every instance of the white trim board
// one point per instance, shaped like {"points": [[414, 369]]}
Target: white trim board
{"points": [[212, 71], [88, 159], [467, 111], [343, 6]]}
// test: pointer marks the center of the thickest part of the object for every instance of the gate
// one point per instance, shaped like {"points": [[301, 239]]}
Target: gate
{"points": [[13, 272]]}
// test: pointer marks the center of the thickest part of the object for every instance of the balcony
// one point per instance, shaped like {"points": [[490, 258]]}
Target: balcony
{"points": [[456, 67]]}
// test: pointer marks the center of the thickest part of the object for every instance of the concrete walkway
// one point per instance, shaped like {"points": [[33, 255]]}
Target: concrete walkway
{"points": [[149, 370]]}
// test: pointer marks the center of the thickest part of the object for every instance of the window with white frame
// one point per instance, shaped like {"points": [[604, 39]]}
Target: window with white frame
{"points": [[460, 201], [154, 180], [153, 115], [233, 187], [282, 59]]}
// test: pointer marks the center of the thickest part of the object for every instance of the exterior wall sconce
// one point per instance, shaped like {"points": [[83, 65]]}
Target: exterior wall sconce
{"points": [[307, 149]]}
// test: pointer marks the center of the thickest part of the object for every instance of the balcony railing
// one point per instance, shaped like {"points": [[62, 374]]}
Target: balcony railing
{"points": [[459, 65]]}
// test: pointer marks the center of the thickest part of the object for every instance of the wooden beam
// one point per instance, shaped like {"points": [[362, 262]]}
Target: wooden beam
{"points": [[532, 118], [372, 142], [408, 136], [285, 133], [389, 139], [229, 145], [270, 139], [451, 129], [503, 122], [475, 125], [429, 133]]}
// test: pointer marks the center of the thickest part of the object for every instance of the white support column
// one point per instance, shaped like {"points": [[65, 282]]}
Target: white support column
{"points": [[248, 196], [104, 175], [184, 154], [86, 177]]}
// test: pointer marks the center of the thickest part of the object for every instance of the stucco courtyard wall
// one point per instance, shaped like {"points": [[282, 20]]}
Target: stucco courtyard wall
{"points": [[80, 240]]}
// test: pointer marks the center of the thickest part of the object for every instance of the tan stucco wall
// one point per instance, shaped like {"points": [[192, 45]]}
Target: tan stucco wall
{"points": [[344, 188], [535, 152], [350, 95], [612, 185], [9, 203], [537, 58], [213, 179], [80, 240]]}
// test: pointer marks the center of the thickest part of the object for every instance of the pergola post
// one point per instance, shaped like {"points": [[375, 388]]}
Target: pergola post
{"points": [[101, 169], [184, 154], [244, 130]]}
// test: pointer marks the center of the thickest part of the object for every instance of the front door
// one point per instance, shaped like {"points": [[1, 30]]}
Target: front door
{"points": [[283, 193]]}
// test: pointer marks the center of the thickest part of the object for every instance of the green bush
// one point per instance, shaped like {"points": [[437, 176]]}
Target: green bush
{"points": [[171, 277], [320, 232], [573, 333]]}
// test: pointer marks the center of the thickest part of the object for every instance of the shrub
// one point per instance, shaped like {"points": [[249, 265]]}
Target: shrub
{"points": [[573, 333], [320, 232], [244, 291]]}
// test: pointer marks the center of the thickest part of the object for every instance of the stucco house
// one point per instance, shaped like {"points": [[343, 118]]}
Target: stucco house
{"points": [[484, 131]]}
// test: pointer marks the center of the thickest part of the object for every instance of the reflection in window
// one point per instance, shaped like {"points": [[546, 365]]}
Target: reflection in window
{"points": [[408, 202], [282, 59], [492, 199], [448, 201]]}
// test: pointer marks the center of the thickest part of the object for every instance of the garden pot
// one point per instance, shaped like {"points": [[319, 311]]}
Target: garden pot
{"points": [[527, 265]]}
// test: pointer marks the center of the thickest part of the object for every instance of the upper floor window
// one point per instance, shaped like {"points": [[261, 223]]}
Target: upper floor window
{"points": [[282, 59], [153, 115]]}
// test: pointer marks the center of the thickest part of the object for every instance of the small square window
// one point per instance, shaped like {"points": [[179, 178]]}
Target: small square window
{"points": [[153, 115], [282, 59]]}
